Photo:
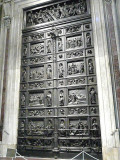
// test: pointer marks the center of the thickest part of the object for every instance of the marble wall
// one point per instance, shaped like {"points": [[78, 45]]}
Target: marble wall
{"points": [[110, 136]]}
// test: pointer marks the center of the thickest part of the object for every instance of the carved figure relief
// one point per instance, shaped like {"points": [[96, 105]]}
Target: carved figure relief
{"points": [[75, 54], [78, 127], [90, 66], [76, 81], [50, 112], [88, 39], [37, 60], [76, 111], [74, 42], [61, 70], [36, 85], [94, 124], [23, 86], [74, 29], [62, 127], [76, 68], [76, 96], [49, 71], [87, 26], [49, 46], [49, 128], [22, 113], [23, 99], [60, 45], [93, 96], [36, 113], [22, 124], [93, 110], [24, 62], [35, 127], [37, 36], [54, 12], [37, 49], [36, 99], [61, 98], [24, 74], [36, 73], [25, 50], [49, 99]]}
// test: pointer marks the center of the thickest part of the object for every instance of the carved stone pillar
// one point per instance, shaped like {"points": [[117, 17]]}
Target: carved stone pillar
{"points": [[7, 22]]}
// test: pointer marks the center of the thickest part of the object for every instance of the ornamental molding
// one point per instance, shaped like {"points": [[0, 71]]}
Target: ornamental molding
{"points": [[108, 1]]}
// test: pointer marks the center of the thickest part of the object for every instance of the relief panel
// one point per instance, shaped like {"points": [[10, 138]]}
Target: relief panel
{"points": [[36, 113], [56, 12], [78, 126], [77, 96], [37, 49], [36, 60], [36, 73], [36, 99], [74, 29], [75, 54], [76, 81], [78, 111], [75, 42], [36, 85], [35, 127], [74, 68], [93, 95]]}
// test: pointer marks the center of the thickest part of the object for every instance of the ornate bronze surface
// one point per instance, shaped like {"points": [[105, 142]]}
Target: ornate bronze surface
{"points": [[59, 110]]}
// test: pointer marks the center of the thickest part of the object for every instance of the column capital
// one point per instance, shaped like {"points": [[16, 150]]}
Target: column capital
{"points": [[7, 21]]}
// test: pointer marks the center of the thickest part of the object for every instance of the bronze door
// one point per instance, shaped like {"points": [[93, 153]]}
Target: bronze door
{"points": [[59, 111]]}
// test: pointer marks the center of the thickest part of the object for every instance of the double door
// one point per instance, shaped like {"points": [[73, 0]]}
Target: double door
{"points": [[59, 110]]}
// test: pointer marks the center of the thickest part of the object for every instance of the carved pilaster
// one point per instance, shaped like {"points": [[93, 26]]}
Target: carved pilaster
{"points": [[7, 12]]}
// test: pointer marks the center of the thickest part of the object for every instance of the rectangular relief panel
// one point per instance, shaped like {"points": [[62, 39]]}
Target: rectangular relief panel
{"points": [[59, 110]]}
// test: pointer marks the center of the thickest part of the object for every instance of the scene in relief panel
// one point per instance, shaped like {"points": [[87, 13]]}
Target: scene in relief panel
{"points": [[36, 60], [74, 29], [90, 66], [36, 73], [56, 12], [62, 127], [75, 54], [36, 113], [77, 96], [36, 85], [78, 111], [76, 81], [35, 127], [77, 67], [36, 36], [78, 126], [36, 99], [74, 143], [76, 42], [37, 49]]}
